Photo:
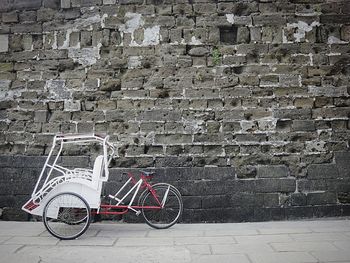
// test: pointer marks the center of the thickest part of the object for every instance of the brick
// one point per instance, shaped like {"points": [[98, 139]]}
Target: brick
{"points": [[27, 28], [27, 16], [334, 19], [321, 171], [70, 105], [298, 199], [65, 3], [199, 51], [20, 5], [40, 116], [53, 4], [342, 160], [303, 125], [269, 20], [275, 185], [173, 138], [159, 115], [273, 171], [204, 8], [321, 198], [239, 9], [85, 127], [292, 113], [4, 43], [10, 17]]}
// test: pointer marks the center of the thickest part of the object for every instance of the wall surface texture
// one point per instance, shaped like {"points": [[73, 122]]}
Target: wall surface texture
{"points": [[243, 105]]}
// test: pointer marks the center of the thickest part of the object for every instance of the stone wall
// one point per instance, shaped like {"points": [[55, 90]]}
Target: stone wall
{"points": [[243, 105]]}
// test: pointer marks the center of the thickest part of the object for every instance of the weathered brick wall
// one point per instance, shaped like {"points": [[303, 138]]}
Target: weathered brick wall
{"points": [[244, 105]]}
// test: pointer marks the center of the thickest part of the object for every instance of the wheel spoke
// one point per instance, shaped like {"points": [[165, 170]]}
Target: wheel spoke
{"points": [[67, 216], [171, 211]]}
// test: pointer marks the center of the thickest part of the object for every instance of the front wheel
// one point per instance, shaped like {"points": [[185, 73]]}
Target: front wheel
{"points": [[67, 216], [162, 207]]}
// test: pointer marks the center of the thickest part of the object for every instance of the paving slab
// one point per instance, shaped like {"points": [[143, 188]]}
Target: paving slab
{"points": [[83, 254], [121, 233], [199, 249], [237, 258], [334, 256], [144, 242], [343, 245], [9, 249], [89, 241], [265, 242], [231, 232], [330, 229], [304, 246], [204, 240], [241, 248], [175, 233], [285, 257], [274, 231], [263, 239], [315, 237], [21, 229], [31, 240], [4, 238]]}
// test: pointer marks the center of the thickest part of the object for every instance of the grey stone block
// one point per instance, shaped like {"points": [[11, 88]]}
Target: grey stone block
{"points": [[275, 185], [127, 2], [65, 3], [269, 20], [27, 28], [6, 160], [298, 199], [20, 5], [28, 161], [303, 125], [321, 198], [334, 19], [342, 160], [4, 43], [215, 201], [16, 214], [10, 17], [322, 171], [192, 202], [272, 171], [198, 51], [41, 116], [296, 114]]}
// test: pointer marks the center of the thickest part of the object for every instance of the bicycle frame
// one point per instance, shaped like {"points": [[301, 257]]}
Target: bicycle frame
{"points": [[142, 183]]}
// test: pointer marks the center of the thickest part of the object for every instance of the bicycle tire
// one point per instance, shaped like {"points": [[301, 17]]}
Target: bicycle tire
{"points": [[167, 216], [67, 216]]}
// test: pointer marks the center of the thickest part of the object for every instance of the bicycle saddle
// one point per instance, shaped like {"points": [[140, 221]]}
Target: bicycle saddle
{"points": [[147, 173]]}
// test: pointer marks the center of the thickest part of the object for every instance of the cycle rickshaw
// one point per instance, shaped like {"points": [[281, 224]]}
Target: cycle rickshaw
{"points": [[68, 198]]}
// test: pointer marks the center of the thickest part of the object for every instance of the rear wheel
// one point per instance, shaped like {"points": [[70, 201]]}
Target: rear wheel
{"points": [[67, 216], [170, 210]]}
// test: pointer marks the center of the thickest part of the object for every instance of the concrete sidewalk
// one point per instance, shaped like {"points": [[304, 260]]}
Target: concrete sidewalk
{"points": [[293, 241]]}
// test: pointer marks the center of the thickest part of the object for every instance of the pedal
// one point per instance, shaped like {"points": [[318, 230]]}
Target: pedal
{"points": [[138, 212]]}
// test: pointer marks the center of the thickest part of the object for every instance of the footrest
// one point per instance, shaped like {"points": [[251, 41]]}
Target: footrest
{"points": [[30, 205]]}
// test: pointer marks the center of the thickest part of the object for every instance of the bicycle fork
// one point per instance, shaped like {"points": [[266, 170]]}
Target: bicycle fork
{"points": [[165, 196]]}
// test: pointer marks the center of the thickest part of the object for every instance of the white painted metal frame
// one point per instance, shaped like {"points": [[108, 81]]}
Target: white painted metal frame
{"points": [[84, 174]]}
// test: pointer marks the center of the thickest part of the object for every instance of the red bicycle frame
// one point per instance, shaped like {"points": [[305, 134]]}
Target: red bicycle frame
{"points": [[142, 183]]}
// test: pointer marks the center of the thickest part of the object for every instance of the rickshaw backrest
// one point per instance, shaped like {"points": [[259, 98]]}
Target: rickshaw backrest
{"points": [[98, 170]]}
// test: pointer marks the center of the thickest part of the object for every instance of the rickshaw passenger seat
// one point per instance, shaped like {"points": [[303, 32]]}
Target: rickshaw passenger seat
{"points": [[97, 169]]}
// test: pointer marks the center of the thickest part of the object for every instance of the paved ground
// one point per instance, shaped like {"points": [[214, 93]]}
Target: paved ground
{"points": [[282, 242]]}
